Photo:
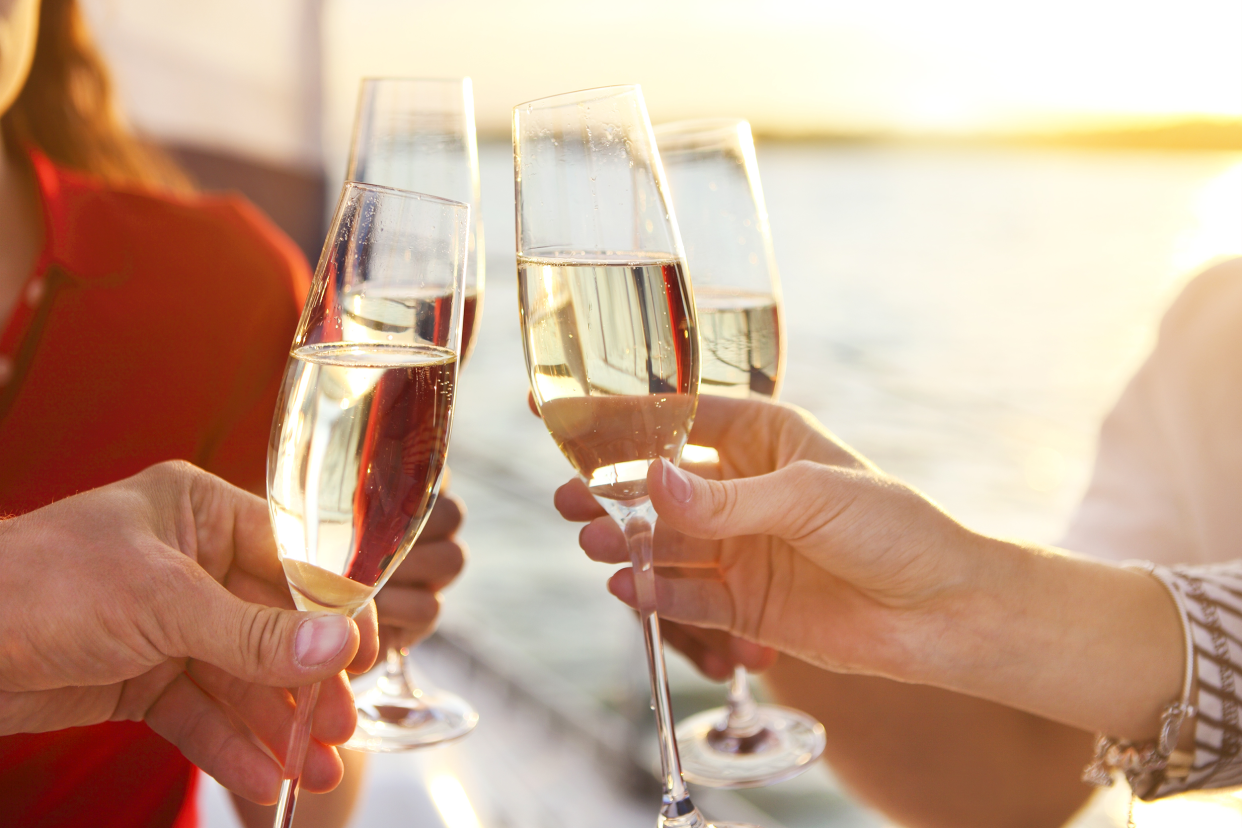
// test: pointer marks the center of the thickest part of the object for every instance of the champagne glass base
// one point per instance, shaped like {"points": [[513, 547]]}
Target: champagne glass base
{"points": [[695, 819], [392, 724], [785, 745]]}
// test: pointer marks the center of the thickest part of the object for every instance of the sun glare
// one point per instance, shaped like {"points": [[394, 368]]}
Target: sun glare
{"points": [[451, 801], [816, 67], [1217, 230], [1179, 812]]}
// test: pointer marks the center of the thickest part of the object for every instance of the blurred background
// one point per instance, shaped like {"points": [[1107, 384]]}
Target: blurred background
{"points": [[980, 211]]}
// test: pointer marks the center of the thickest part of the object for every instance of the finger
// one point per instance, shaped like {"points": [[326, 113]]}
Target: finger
{"points": [[396, 638], [716, 418], [231, 527], [257, 591], [575, 503], [203, 731], [322, 770], [191, 720], [367, 622], [711, 662], [431, 565], [190, 615], [753, 656], [604, 541], [710, 471], [446, 518], [269, 711], [715, 652], [789, 503], [410, 609], [530, 402], [750, 434], [701, 602]]}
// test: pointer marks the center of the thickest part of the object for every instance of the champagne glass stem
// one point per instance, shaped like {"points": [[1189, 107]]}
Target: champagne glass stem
{"points": [[295, 756], [743, 718], [396, 680], [677, 810]]}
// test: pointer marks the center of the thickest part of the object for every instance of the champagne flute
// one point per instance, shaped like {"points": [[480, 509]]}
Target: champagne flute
{"points": [[609, 330], [714, 180], [362, 422], [418, 134]]}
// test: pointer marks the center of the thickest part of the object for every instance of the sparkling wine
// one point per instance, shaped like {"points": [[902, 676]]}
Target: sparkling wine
{"points": [[739, 333], [469, 325], [318, 589], [616, 388], [357, 464]]}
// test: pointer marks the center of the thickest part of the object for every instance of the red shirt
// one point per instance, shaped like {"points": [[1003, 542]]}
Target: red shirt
{"points": [[152, 328]]}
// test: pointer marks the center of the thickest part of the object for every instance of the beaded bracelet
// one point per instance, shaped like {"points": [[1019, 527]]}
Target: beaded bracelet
{"points": [[1149, 765]]}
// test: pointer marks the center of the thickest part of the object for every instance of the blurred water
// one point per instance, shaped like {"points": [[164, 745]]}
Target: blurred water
{"points": [[962, 317]]}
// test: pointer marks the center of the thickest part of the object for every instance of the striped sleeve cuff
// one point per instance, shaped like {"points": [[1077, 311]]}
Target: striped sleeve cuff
{"points": [[1210, 600]]}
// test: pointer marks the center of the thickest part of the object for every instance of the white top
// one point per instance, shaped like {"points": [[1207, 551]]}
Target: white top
{"points": [[1167, 488], [1167, 485]]}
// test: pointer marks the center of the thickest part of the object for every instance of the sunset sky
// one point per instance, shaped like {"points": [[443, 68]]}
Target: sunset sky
{"points": [[790, 66]]}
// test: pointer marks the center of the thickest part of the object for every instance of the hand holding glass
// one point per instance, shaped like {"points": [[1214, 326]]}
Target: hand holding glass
{"points": [[714, 180], [609, 329], [362, 422]]}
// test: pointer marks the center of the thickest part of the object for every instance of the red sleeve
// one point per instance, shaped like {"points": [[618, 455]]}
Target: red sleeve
{"points": [[281, 280]]}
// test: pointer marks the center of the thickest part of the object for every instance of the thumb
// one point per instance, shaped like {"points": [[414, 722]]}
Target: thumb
{"points": [[787, 503], [257, 643]]}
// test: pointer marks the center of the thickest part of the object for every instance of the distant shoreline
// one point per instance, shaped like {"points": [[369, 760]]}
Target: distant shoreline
{"points": [[1187, 136]]}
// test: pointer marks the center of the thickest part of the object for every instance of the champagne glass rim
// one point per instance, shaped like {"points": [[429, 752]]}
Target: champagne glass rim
{"points": [[700, 125], [406, 194], [581, 96], [703, 135]]}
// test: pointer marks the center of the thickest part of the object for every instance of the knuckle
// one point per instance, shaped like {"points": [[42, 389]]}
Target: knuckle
{"points": [[454, 509], [261, 636], [409, 607], [722, 503], [169, 471], [431, 610], [455, 558], [153, 596], [809, 499]]}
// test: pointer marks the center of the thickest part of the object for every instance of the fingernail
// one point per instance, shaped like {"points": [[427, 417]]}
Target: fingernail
{"points": [[319, 639], [677, 483]]}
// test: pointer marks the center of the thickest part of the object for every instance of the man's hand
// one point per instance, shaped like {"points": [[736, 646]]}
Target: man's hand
{"points": [[160, 598]]}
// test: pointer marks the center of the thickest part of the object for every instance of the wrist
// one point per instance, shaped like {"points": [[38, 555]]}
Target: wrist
{"points": [[1082, 642]]}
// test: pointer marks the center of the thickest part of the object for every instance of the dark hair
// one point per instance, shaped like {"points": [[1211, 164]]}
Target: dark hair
{"points": [[66, 109]]}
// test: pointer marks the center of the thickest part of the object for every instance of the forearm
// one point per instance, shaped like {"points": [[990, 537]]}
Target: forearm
{"points": [[1087, 644], [929, 758]]}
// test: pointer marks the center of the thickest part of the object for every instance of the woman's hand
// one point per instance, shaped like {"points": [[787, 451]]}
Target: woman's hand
{"points": [[798, 534], [803, 546], [160, 598], [410, 601]]}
